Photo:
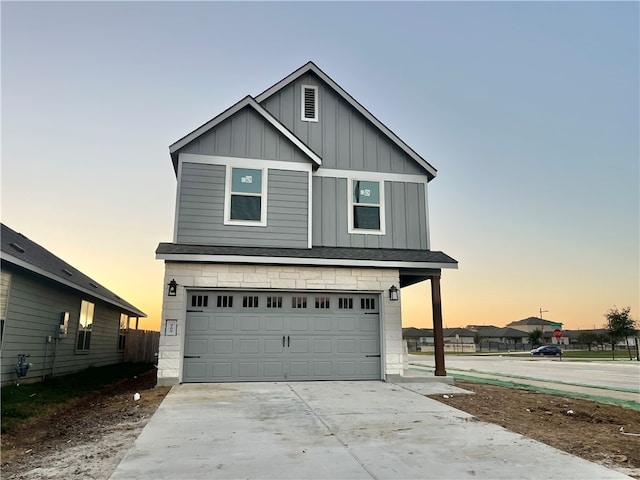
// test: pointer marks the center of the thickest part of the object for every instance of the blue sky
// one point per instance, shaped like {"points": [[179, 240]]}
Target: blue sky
{"points": [[529, 111]]}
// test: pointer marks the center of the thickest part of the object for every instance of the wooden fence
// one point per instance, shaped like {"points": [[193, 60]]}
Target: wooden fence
{"points": [[141, 346]]}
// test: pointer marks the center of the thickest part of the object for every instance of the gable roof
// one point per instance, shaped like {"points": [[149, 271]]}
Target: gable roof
{"points": [[19, 250], [312, 67], [247, 101], [500, 332], [532, 321]]}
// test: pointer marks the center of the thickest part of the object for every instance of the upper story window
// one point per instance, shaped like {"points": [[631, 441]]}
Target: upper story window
{"points": [[85, 325], [309, 103], [245, 201], [366, 209]]}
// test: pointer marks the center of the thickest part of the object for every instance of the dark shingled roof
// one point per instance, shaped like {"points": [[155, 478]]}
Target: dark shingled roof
{"points": [[500, 332], [330, 253], [532, 321], [39, 260]]}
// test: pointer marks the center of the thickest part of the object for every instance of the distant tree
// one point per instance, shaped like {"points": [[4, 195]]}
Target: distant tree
{"points": [[535, 337], [587, 338], [620, 325]]}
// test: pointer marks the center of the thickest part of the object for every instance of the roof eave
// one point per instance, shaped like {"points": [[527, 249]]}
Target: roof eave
{"points": [[275, 260], [247, 101], [39, 271]]}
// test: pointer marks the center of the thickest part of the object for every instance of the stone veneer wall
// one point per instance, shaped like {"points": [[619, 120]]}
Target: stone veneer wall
{"points": [[194, 275]]}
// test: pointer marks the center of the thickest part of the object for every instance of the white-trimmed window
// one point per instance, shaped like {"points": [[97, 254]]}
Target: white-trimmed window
{"points": [[366, 207], [4, 300], [85, 325], [122, 335], [309, 103], [246, 196]]}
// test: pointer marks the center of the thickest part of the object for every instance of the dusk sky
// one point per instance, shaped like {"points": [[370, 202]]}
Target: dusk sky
{"points": [[529, 111]]}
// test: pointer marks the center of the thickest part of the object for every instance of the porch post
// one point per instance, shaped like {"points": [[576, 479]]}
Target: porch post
{"points": [[438, 335]]}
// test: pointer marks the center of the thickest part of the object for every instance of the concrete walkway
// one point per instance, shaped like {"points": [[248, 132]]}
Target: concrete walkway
{"points": [[333, 430]]}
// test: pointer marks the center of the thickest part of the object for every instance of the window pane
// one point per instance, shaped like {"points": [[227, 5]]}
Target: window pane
{"points": [[366, 217], [366, 192], [244, 180], [245, 208]]}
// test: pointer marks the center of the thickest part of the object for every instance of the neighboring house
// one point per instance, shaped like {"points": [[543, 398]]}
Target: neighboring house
{"points": [[501, 335], [417, 337], [61, 318], [534, 323], [299, 215]]}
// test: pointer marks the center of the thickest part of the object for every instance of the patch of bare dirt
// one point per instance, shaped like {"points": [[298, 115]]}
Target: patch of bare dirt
{"points": [[85, 438], [604, 434]]}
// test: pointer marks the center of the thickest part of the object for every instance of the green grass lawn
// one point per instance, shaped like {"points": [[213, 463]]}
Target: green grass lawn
{"points": [[20, 403]]}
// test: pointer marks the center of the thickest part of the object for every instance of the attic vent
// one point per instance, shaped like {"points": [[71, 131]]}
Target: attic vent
{"points": [[93, 285], [67, 272], [17, 247], [309, 103]]}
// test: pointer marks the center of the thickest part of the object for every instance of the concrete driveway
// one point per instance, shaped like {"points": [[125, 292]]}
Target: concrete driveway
{"points": [[333, 430]]}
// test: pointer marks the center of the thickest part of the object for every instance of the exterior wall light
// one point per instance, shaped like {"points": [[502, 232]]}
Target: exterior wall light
{"points": [[173, 288], [393, 293]]}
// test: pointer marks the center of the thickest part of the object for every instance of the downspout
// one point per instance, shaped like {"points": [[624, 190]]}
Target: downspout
{"points": [[46, 352]]}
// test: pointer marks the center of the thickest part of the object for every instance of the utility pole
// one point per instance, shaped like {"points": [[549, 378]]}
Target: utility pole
{"points": [[542, 326]]}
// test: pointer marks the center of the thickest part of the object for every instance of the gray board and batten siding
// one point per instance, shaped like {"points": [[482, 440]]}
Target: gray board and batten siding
{"points": [[34, 309], [342, 136], [246, 135], [201, 209], [405, 216]]}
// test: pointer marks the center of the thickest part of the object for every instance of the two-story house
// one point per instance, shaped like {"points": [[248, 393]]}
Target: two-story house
{"points": [[299, 215]]}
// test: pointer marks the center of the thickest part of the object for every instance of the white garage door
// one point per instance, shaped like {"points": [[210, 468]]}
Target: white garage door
{"points": [[267, 336]]}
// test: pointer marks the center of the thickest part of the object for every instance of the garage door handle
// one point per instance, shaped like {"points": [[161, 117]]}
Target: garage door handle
{"points": [[372, 356], [192, 356], [283, 341], [288, 341]]}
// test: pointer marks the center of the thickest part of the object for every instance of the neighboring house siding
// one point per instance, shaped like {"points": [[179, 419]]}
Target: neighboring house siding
{"points": [[201, 209], [34, 309], [405, 216], [342, 136], [246, 135]]}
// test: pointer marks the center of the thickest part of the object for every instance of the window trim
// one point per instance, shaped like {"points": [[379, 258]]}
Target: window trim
{"points": [[85, 329], [304, 88], [263, 196], [123, 332], [382, 205]]}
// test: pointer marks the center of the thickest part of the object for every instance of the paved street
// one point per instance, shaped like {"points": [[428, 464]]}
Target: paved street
{"points": [[623, 376]]}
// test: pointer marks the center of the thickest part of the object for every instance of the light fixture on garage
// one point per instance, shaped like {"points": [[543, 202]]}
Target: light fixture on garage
{"points": [[173, 288], [393, 293]]}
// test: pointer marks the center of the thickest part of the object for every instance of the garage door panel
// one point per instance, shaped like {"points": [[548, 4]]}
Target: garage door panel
{"points": [[250, 346], [196, 369], [223, 323], [197, 346], [322, 324], [299, 324], [273, 345], [323, 368], [250, 324], [369, 346], [274, 324], [368, 324], [346, 324], [322, 345], [243, 341], [222, 346], [248, 369], [347, 346], [222, 370], [274, 369], [199, 323]]}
